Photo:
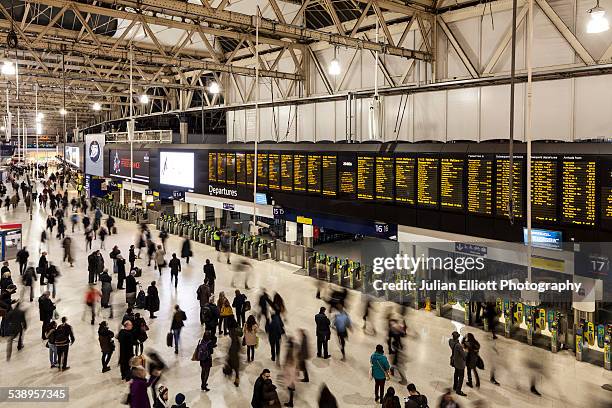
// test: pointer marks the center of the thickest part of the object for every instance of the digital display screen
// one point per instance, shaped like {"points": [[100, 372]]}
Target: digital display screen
{"points": [[428, 179], [250, 169], [286, 172], [365, 177], [328, 172], [274, 171], [240, 169], [300, 172], [451, 183], [544, 188], [404, 179], [480, 185], [177, 169], [262, 170], [120, 164], [221, 167], [72, 155], [314, 174], [606, 193], [347, 166], [578, 191], [502, 187], [212, 166], [384, 178], [230, 168]]}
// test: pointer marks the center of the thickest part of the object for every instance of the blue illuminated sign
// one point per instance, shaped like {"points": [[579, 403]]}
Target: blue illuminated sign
{"points": [[546, 239]]}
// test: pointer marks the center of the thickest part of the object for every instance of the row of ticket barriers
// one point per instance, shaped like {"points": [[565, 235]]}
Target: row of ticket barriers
{"points": [[255, 247], [122, 211], [536, 319], [344, 272]]}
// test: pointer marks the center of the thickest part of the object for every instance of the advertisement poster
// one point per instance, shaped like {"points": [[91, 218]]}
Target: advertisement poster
{"points": [[176, 169], [94, 154], [120, 164], [72, 156]]}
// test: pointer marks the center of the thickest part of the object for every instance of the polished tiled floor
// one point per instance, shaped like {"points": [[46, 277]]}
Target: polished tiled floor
{"points": [[566, 383]]}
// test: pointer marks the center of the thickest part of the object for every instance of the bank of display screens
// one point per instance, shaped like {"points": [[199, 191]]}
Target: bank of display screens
{"points": [[329, 175], [578, 190], [502, 187], [121, 161], [384, 178], [480, 185], [347, 176], [365, 177], [230, 168], [544, 188], [212, 166], [262, 170], [221, 162], [451, 183], [177, 169], [286, 166], [300, 172], [240, 169], [428, 174], [250, 169], [274, 175], [405, 179], [314, 174]]}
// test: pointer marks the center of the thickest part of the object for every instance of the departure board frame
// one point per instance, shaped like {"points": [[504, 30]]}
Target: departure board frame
{"points": [[212, 166], [347, 175], [450, 161], [274, 174], [314, 178], [604, 189], [329, 175], [402, 160], [286, 171], [478, 194], [262, 171], [230, 164], [241, 174], [424, 164], [563, 216], [549, 167], [520, 189], [366, 177], [384, 178], [221, 169], [300, 172]]}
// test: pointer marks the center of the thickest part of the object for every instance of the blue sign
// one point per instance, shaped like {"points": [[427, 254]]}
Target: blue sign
{"points": [[178, 195], [278, 213], [541, 238], [261, 198], [228, 206], [472, 249]]}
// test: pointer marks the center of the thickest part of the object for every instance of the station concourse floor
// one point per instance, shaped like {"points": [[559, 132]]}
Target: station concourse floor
{"points": [[567, 383]]}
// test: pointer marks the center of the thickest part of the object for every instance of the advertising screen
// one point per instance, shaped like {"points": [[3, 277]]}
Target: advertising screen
{"points": [[120, 164], [176, 169], [94, 154], [72, 155]]}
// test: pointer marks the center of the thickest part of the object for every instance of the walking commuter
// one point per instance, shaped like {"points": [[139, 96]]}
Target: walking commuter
{"points": [[160, 261], [209, 314], [233, 353], [175, 268], [28, 279], [139, 385], [126, 348], [67, 245], [89, 236], [132, 257], [178, 318], [50, 336], [225, 313], [379, 366], [107, 345], [107, 288], [390, 400], [92, 265], [110, 224], [203, 296], [239, 303], [91, 298], [45, 309], [326, 398], [303, 355], [161, 400], [52, 274], [275, 329], [458, 357], [15, 324], [203, 353], [209, 275], [42, 267], [139, 331], [102, 234], [290, 371], [152, 300], [342, 323], [250, 337], [130, 289], [64, 338], [472, 359], [323, 332], [22, 259], [415, 399], [186, 250], [120, 262]]}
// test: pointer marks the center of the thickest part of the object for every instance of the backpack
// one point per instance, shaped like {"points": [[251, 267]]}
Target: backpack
{"points": [[420, 400], [206, 314], [203, 351]]}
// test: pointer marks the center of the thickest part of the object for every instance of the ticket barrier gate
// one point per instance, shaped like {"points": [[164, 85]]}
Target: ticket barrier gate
{"points": [[608, 347], [252, 249], [331, 264], [240, 241], [530, 322], [261, 249], [316, 265], [344, 278], [355, 276], [508, 317], [554, 323], [579, 329]]}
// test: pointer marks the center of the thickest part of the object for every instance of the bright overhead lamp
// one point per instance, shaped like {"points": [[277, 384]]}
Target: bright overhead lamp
{"points": [[2, 128], [96, 106], [598, 22], [39, 117], [214, 88], [39, 128], [63, 112], [334, 68], [8, 68], [144, 99]]}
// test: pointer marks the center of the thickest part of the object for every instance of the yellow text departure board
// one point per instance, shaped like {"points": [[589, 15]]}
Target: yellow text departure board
{"points": [[480, 185], [404, 179], [212, 166], [578, 191], [300, 171], [427, 184], [384, 178], [230, 168], [451, 183], [221, 167], [286, 172], [328, 174], [250, 168], [274, 171], [314, 173], [262, 170], [365, 177], [240, 169], [544, 188], [502, 188]]}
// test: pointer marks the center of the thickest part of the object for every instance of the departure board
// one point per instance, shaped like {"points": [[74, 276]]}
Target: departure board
{"points": [[300, 172], [365, 177], [240, 169], [544, 188], [314, 173], [502, 188], [451, 183], [250, 168], [384, 178], [274, 171], [262, 170], [221, 167], [329, 176], [428, 178], [286, 172], [212, 166], [347, 166], [480, 185], [605, 175], [404, 179], [578, 191], [230, 168]]}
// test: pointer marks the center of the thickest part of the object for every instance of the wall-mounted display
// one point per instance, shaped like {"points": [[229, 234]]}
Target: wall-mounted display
{"points": [[94, 154], [119, 164], [72, 154], [176, 169]]}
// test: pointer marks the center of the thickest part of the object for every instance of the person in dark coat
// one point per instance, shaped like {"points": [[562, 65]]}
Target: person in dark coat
{"points": [[473, 349], [205, 350], [52, 275], [140, 333], [22, 259], [238, 304], [233, 353], [42, 267], [130, 289], [323, 332], [15, 323], [458, 357], [28, 279], [175, 268], [326, 398], [107, 288], [139, 397], [110, 223], [120, 262], [92, 264], [275, 330], [303, 355], [132, 257], [203, 295], [186, 250], [126, 348], [176, 326], [257, 401], [152, 300], [209, 275], [107, 345], [45, 310]]}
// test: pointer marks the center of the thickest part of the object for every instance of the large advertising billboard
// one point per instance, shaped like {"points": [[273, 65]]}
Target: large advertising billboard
{"points": [[72, 155], [119, 165], [94, 155], [176, 169]]}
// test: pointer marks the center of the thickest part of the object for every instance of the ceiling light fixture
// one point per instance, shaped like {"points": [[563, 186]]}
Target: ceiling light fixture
{"points": [[214, 88], [598, 22], [334, 66], [144, 99], [96, 106], [8, 68]]}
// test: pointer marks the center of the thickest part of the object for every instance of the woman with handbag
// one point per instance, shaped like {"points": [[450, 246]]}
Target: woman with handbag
{"points": [[473, 360], [225, 311], [380, 371], [250, 337]]}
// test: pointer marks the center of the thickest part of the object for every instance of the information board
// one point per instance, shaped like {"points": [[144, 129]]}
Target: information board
{"points": [[480, 184], [230, 168], [347, 168], [329, 175], [428, 178], [314, 173], [502, 188], [212, 166], [286, 172], [451, 183], [221, 167], [300, 172], [274, 171], [240, 169], [578, 191], [365, 177], [384, 178], [544, 188], [405, 179], [262, 170]]}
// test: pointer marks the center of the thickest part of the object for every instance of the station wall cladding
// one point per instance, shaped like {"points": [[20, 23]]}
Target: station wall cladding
{"points": [[461, 187]]}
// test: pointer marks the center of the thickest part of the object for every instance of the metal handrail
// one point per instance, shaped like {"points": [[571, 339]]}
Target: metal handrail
{"points": [[141, 136]]}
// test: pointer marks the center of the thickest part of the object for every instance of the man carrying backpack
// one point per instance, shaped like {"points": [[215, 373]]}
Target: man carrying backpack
{"points": [[203, 354], [415, 399]]}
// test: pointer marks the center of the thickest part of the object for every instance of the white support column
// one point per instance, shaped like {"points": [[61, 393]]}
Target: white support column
{"points": [[291, 232], [218, 217], [122, 195], [200, 212], [308, 233]]}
